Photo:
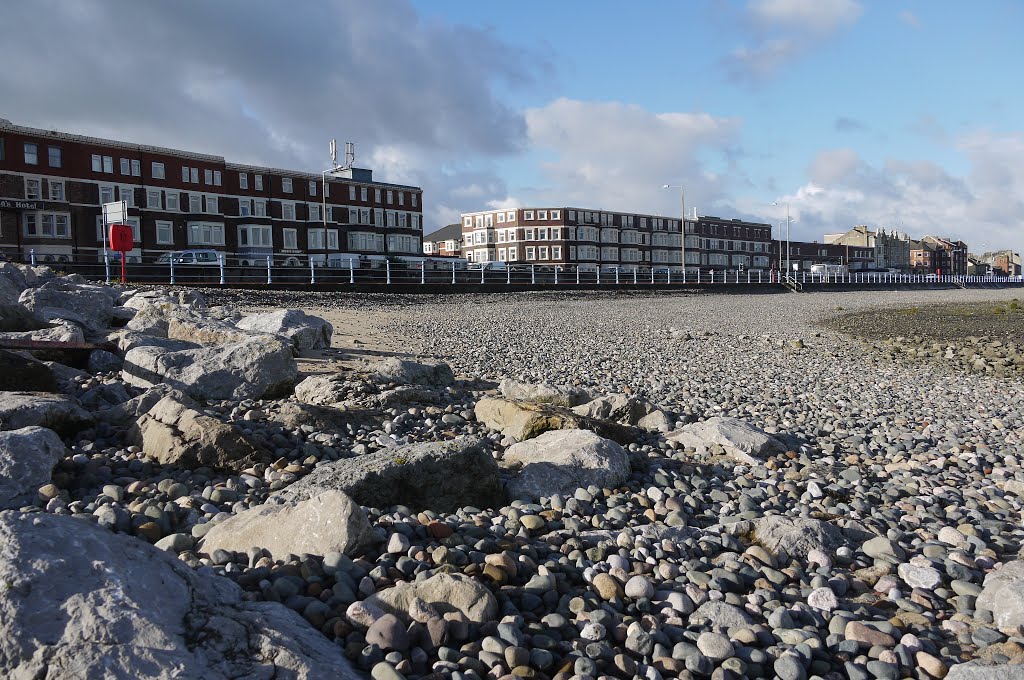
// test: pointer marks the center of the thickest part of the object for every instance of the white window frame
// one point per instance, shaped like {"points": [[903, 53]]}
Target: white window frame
{"points": [[287, 211], [286, 185], [172, 201], [211, 205], [211, 233], [332, 239], [527, 215], [555, 214], [217, 178], [290, 239], [195, 203], [97, 163], [255, 236], [49, 157], [157, 170], [56, 190], [315, 239], [126, 167], [150, 203], [243, 180], [127, 195], [194, 175], [208, 176], [312, 187], [314, 212], [259, 207], [258, 182], [33, 189], [136, 168], [169, 226], [108, 165], [184, 174], [362, 194]]}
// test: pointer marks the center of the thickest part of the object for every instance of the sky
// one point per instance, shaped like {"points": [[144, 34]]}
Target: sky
{"points": [[899, 114]]}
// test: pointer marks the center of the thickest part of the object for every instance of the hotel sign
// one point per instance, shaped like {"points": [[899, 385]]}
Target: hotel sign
{"points": [[21, 205]]}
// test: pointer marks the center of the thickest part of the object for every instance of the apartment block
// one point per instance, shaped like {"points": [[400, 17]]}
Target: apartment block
{"points": [[52, 186], [949, 257], [892, 249], [805, 254], [590, 239]]}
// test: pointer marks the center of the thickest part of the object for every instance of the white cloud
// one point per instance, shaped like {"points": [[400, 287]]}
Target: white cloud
{"points": [[910, 19], [816, 17], [983, 208], [618, 156]]}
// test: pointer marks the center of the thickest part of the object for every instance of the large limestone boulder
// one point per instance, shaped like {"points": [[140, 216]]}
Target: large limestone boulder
{"points": [[525, 420], [618, 407], [173, 433], [322, 418], [1003, 595], [982, 670], [57, 412], [543, 393], [404, 372], [328, 522], [561, 461], [92, 306], [740, 440], [261, 366], [23, 373], [441, 476], [27, 457], [790, 537], [322, 389], [445, 592], [16, 318], [205, 331], [59, 331], [83, 602], [304, 330]]}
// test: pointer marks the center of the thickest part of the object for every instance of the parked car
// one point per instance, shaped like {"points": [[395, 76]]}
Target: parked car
{"points": [[190, 257]]}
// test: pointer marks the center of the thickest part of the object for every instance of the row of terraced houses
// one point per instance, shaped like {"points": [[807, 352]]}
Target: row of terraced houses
{"points": [[53, 184]]}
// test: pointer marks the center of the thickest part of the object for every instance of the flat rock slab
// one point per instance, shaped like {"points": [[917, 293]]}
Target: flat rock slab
{"points": [[330, 522], [404, 372], [523, 420], [561, 461], [446, 592], [543, 393], [791, 537], [92, 306], [27, 457], [82, 602], [56, 412], [303, 330], [442, 476], [738, 439]]}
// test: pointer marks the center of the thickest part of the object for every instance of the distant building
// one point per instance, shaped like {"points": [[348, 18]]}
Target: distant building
{"points": [[445, 242], [922, 257], [976, 266], [891, 249], [1003, 262], [949, 256], [803, 255]]}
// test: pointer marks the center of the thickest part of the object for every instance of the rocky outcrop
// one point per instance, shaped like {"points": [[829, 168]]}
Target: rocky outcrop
{"points": [[80, 601], [88, 305], [444, 592], [441, 476], [57, 412], [525, 420], [739, 440], [561, 461], [205, 331], [173, 433], [27, 457], [261, 366], [543, 393], [403, 372], [304, 330], [329, 522]]}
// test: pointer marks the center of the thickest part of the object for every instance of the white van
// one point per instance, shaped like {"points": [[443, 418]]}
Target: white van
{"points": [[829, 270]]}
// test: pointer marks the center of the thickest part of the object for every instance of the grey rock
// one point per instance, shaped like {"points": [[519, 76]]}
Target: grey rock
{"points": [[979, 670], [522, 420], [16, 318], [102, 361], [618, 407], [560, 461], [57, 412], [1003, 595], [329, 522], [443, 476], [543, 393], [91, 306], [740, 440], [21, 372], [321, 389], [304, 330], [140, 613], [444, 592], [791, 536], [27, 457], [406, 372], [721, 615]]}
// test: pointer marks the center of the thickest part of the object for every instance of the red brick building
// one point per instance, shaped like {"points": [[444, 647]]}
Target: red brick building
{"points": [[52, 185], [445, 242], [804, 255]]}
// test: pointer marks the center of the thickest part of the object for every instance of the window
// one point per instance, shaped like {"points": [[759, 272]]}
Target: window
{"points": [[157, 170], [153, 199], [312, 188], [556, 253], [259, 208], [362, 193], [195, 203], [511, 216], [554, 214], [365, 241], [542, 214], [194, 175], [351, 193], [205, 234], [556, 234], [501, 217], [314, 212], [530, 253], [243, 180], [291, 238], [128, 196], [31, 154], [29, 220], [244, 207], [543, 250], [184, 174], [164, 233], [401, 243], [415, 200], [376, 195], [287, 211], [332, 239], [513, 254], [106, 194], [207, 176], [126, 166], [286, 185], [528, 215], [52, 225], [216, 178], [56, 191], [255, 235], [259, 182], [211, 204], [136, 168], [529, 234], [56, 159], [171, 200], [542, 234], [32, 189], [315, 239]]}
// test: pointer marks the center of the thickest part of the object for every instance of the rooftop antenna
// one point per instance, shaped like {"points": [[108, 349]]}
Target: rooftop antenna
{"points": [[350, 154], [334, 153]]}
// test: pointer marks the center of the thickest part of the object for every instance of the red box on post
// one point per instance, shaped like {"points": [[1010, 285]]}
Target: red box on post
{"points": [[121, 238]]}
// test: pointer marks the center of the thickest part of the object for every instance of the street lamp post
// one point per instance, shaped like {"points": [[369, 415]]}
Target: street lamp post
{"points": [[787, 236], [682, 224]]}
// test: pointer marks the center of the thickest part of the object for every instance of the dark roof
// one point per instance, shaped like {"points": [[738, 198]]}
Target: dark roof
{"points": [[452, 232]]}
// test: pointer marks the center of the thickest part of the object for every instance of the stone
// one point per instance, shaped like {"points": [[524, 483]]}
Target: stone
{"points": [[656, 421], [329, 522], [80, 601], [560, 461], [102, 361], [979, 670], [89, 305], [388, 633], [618, 407], [867, 636], [321, 389], [720, 615], [823, 599], [785, 536], [22, 373], [303, 330], [741, 441], [57, 331], [607, 587], [542, 393], [1003, 594], [639, 586], [926, 578], [322, 418], [57, 412], [205, 331], [404, 372], [715, 646], [14, 318], [441, 475], [259, 367], [881, 547], [174, 433], [931, 665], [444, 592], [525, 420], [27, 458]]}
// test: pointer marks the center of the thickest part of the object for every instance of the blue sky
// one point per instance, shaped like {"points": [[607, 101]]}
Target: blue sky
{"points": [[902, 115]]}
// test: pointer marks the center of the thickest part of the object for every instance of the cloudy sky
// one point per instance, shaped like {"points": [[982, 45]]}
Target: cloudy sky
{"points": [[902, 114]]}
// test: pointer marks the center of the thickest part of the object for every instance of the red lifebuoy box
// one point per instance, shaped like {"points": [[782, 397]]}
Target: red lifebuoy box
{"points": [[121, 238]]}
